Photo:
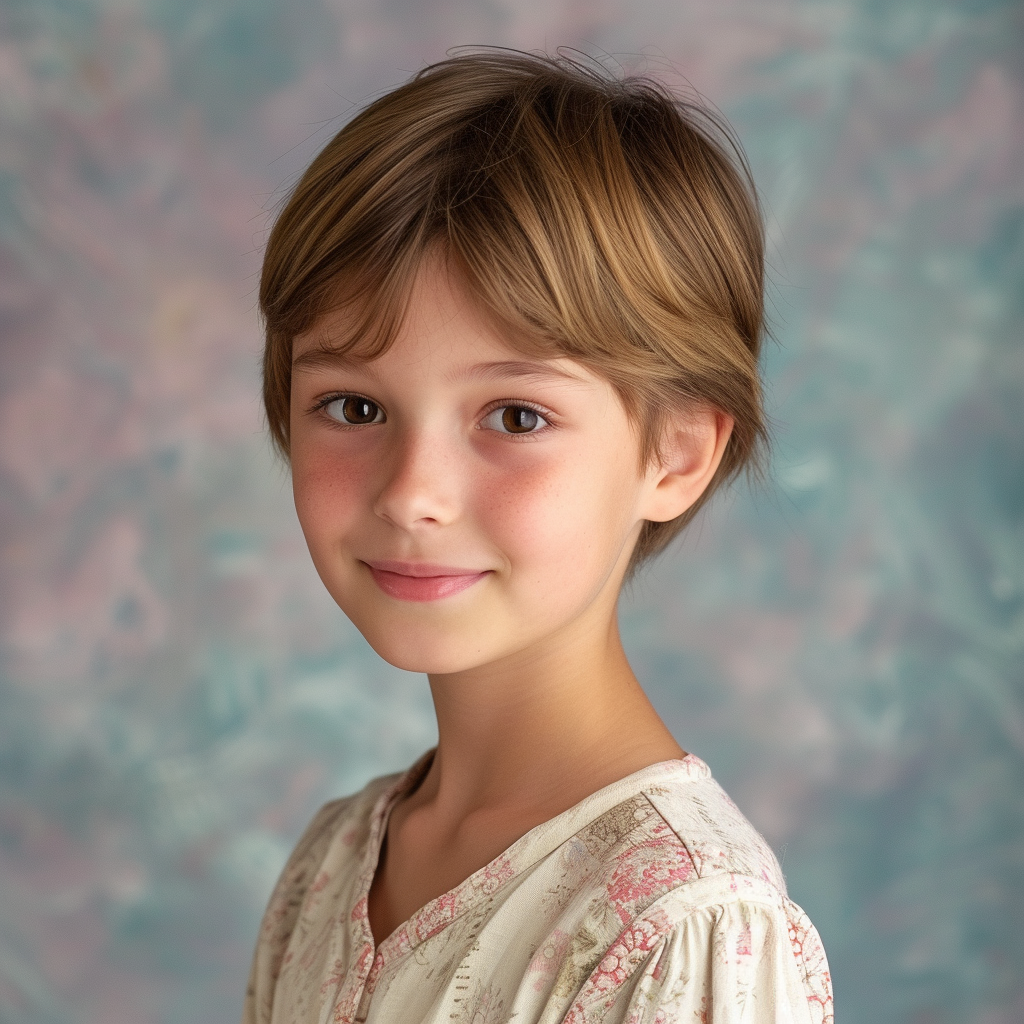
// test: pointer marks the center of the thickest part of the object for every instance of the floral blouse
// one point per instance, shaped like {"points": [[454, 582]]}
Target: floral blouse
{"points": [[652, 901]]}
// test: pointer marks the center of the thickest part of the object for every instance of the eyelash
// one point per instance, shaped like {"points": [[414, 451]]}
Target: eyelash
{"points": [[321, 405], [503, 403], [517, 403]]}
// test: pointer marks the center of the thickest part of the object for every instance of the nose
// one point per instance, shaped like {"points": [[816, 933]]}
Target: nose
{"points": [[420, 482]]}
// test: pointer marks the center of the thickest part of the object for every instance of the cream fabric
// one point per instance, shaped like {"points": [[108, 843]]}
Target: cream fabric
{"points": [[653, 900]]}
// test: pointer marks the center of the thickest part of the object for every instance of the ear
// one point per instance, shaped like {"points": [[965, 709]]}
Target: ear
{"points": [[692, 446]]}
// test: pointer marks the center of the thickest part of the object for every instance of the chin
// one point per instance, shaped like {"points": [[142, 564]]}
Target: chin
{"points": [[433, 655], [431, 637]]}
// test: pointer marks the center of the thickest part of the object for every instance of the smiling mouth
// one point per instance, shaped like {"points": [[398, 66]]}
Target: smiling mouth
{"points": [[422, 581]]}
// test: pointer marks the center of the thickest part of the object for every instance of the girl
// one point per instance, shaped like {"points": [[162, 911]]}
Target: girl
{"points": [[513, 314]]}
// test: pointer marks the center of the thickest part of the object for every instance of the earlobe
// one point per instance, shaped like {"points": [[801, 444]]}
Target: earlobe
{"points": [[692, 447]]}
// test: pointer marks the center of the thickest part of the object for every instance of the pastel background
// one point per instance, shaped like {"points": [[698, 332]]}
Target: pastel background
{"points": [[843, 645]]}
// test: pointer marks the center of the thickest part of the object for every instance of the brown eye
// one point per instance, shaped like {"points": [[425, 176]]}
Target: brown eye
{"points": [[517, 420], [514, 419], [355, 409]]}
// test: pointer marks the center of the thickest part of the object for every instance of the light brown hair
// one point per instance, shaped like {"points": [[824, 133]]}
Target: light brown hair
{"points": [[595, 217]]}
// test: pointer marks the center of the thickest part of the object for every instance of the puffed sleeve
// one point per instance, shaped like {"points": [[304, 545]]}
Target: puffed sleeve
{"points": [[738, 961]]}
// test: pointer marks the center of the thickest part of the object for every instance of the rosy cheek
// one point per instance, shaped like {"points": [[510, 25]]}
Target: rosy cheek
{"points": [[537, 510], [328, 486]]}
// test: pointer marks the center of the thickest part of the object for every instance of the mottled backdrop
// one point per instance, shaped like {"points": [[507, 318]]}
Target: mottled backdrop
{"points": [[843, 644]]}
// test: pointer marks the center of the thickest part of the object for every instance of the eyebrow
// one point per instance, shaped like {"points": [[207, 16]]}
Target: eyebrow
{"points": [[515, 369], [503, 369]]}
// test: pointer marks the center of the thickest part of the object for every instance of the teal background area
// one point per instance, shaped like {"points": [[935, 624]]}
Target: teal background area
{"points": [[843, 645]]}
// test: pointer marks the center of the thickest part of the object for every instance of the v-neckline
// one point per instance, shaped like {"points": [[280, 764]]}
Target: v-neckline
{"points": [[487, 881]]}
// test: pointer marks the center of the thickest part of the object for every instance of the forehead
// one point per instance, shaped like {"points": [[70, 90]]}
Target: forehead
{"points": [[445, 330]]}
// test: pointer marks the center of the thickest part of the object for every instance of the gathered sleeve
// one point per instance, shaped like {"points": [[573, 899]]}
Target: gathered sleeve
{"points": [[749, 958]]}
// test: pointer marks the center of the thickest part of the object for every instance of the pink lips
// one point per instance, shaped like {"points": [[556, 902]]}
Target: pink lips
{"points": [[421, 581]]}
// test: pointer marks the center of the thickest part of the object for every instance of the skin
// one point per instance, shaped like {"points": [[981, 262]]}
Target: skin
{"points": [[536, 704]]}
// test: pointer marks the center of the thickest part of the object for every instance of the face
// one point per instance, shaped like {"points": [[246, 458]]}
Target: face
{"points": [[462, 503]]}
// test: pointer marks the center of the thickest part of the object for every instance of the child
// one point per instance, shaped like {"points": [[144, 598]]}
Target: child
{"points": [[513, 313]]}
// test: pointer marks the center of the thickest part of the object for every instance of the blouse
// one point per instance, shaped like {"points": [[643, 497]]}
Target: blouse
{"points": [[652, 901]]}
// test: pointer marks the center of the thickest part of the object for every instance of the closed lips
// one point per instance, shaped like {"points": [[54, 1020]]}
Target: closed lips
{"points": [[422, 581], [421, 568]]}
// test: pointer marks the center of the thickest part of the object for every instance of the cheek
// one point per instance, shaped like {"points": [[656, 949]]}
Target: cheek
{"points": [[327, 488], [561, 513]]}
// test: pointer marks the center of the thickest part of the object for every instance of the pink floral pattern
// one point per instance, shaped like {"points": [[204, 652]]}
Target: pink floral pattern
{"points": [[544, 965], [627, 951], [646, 871], [653, 900]]}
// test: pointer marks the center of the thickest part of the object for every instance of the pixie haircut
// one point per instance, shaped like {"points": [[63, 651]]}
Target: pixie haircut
{"points": [[596, 217]]}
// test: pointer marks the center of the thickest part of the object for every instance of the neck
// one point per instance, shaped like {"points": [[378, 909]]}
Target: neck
{"points": [[545, 727]]}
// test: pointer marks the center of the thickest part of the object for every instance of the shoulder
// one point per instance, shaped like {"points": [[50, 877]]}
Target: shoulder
{"points": [[333, 840], [717, 835], [669, 828], [346, 819], [727, 948], [340, 826], [719, 931]]}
